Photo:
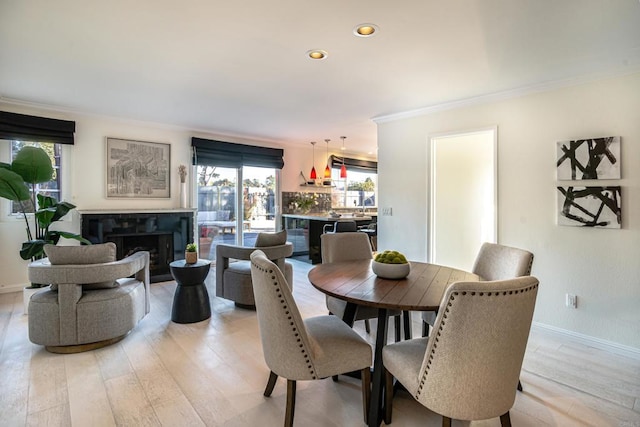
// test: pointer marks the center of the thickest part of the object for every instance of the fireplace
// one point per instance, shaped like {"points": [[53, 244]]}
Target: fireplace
{"points": [[163, 233]]}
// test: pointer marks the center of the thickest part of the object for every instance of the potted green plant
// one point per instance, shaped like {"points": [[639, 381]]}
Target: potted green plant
{"points": [[191, 253], [18, 181]]}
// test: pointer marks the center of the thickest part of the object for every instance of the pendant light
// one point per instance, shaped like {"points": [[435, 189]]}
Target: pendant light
{"points": [[313, 175], [327, 169], [343, 169]]}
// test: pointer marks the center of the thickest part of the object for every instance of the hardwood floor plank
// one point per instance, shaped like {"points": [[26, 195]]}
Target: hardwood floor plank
{"points": [[55, 416], [197, 384], [7, 308], [113, 361], [15, 363], [14, 395], [48, 382], [88, 400], [131, 407], [581, 377], [613, 365], [165, 396]]}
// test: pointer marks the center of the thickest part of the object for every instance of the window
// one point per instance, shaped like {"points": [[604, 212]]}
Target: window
{"points": [[51, 188], [357, 190]]}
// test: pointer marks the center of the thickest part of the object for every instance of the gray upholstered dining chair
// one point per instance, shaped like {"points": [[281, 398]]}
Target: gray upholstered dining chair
{"points": [[469, 367], [297, 349], [351, 246], [494, 262], [233, 268], [93, 300]]}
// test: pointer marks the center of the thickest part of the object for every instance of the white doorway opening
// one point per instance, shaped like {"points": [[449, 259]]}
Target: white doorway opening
{"points": [[463, 196]]}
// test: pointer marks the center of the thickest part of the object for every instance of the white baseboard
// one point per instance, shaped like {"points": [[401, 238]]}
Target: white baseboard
{"points": [[610, 346], [5, 289]]}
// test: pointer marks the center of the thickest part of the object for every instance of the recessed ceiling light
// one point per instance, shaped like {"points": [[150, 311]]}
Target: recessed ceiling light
{"points": [[317, 54], [365, 30]]}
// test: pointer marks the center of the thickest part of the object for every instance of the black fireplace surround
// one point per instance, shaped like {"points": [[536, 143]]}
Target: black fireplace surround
{"points": [[163, 234]]}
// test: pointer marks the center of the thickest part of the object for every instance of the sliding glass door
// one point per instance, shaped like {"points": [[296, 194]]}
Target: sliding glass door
{"points": [[258, 202], [237, 192], [217, 207], [223, 217]]}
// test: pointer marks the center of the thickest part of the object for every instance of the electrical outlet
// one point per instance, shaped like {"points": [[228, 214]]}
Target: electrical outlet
{"points": [[387, 211], [571, 301]]}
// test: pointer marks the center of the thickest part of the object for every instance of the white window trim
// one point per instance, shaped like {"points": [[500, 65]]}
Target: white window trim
{"points": [[66, 182]]}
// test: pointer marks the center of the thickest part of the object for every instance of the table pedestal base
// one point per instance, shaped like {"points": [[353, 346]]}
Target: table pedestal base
{"points": [[191, 304]]}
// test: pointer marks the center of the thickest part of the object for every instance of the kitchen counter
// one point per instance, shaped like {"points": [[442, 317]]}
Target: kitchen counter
{"points": [[304, 231], [320, 217]]}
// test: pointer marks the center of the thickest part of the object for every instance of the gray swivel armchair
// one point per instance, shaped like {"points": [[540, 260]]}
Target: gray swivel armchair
{"points": [[93, 300], [233, 269]]}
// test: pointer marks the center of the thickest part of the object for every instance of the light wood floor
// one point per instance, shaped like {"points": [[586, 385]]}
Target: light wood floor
{"points": [[212, 373]]}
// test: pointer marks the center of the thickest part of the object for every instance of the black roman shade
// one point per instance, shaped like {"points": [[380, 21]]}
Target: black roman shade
{"points": [[353, 164], [208, 152], [22, 127]]}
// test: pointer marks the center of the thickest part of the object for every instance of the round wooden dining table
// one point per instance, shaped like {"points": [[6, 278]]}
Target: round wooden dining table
{"points": [[355, 283]]}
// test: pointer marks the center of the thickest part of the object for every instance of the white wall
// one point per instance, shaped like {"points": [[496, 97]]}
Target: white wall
{"points": [[600, 266]]}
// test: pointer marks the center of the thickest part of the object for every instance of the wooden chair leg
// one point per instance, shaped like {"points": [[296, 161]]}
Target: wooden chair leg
{"points": [[446, 422], [505, 420], [366, 391], [271, 383], [291, 403], [397, 321], [367, 326], [519, 386], [388, 397]]}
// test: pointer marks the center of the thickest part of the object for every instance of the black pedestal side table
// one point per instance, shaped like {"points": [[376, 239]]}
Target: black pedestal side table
{"points": [[191, 300]]}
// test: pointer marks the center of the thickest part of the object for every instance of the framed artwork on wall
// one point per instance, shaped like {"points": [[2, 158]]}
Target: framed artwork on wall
{"points": [[138, 169], [594, 158], [590, 207]]}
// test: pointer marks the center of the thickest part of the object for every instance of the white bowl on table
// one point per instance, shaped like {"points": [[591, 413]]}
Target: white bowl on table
{"points": [[390, 271]]}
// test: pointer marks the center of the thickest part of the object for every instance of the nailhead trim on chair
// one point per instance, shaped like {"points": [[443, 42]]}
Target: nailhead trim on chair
{"points": [[291, 323], [444, 316], [528, 272]]}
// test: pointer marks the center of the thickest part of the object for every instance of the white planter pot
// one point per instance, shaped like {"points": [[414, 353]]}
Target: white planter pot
{"points": [[27, 293]]}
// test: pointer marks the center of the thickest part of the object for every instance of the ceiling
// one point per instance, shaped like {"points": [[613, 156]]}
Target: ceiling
{"points": [[239, 68]]}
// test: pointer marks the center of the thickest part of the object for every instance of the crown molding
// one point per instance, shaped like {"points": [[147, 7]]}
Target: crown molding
{"points": [[508, 94]]}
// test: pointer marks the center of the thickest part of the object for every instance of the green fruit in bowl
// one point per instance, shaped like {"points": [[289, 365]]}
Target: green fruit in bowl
{"points": [[391, 257], [391, 265]]}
